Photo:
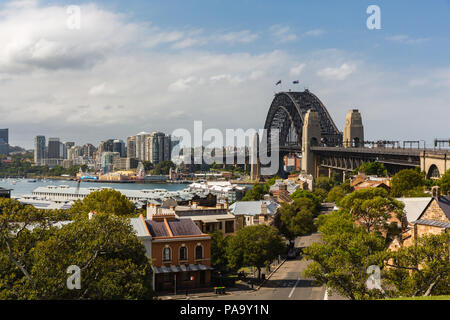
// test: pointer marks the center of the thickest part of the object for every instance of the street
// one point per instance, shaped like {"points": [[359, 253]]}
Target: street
{"points": [[287, 283]]}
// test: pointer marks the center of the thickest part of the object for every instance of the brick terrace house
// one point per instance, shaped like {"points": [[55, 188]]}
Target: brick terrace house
{"points": [[180, 252], [208, 219]]}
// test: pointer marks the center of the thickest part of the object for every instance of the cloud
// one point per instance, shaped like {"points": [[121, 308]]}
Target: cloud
{"points": [[101, 89], [282, 34], [339, 73], [314, 33], [297, 70], [244, 36], [115, 77], [404, 39]]}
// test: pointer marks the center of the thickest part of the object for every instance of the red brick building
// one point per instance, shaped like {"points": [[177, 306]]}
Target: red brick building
{"points": [[180, 252]]}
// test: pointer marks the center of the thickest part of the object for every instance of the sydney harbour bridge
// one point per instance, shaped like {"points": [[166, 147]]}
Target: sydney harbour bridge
{"points": [[306, 129]]}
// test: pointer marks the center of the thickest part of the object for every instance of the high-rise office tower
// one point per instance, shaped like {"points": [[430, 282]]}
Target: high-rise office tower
{"points": [[158, 147], [141, 145], [4, 141], [108, 146], [119, 146], [88, 150], [54, 148], [39, 150], [131, 147]]}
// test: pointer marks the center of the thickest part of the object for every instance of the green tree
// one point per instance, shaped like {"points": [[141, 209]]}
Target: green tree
{"points": [[372, 169], [21, 228], [256, 193], [163, 167], [295, 219], [336, 194], [444, 182], [324, 183], [408, 183], [341, 260], [104, 201], [372, 208], [111, 258], [422, 269], [316, 200], [219, 245], [254, 246]]}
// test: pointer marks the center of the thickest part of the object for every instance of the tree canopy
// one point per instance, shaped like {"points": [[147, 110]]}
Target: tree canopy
{"points": [[296, 219], [35, 253], [408, 183], [422, 269], [316, 200], [254, 246], [372, 169], [341, 261], [104, 201], [444, 182], [336, 194], [163, 167]]}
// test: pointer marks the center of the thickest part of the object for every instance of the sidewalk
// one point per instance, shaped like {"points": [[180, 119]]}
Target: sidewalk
{"points": [[205, 292], [240, 286]]}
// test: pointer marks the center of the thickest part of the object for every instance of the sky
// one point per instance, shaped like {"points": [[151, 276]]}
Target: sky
{"points": [[138, 65]]}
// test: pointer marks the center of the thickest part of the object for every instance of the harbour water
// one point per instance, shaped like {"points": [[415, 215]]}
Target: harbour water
{"points": [[22, 187]]}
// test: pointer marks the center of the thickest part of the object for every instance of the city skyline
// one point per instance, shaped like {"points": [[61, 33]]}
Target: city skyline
{"points": [[196, 67]]}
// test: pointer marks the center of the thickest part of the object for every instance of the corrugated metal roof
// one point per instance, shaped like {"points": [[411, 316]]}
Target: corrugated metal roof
{"points": [[139, 227], [414, 207], [181, 268], [251, 208], [183, 227], [157, 228], [433, 223]]}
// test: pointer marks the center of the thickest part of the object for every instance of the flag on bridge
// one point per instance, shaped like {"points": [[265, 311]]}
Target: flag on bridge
{"points": [[279, 82], [295, 82]]}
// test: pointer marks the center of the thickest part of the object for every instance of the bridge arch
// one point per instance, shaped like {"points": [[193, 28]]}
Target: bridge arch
{"points": [[287, 113], [433, 172]]}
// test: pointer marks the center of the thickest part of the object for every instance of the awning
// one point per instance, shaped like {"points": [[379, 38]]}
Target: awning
{"points": [[181, 268]]}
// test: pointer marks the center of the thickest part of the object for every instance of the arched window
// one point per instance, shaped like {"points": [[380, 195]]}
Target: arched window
{"points": [[198, 252], [166, 254], [183, 253]]}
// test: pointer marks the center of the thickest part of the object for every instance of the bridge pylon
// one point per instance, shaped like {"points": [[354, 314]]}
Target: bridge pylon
{"points": [[311, 136], [353, 130]]}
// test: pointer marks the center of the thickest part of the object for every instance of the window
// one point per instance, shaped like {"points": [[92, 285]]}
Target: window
{"points": [[198, 252], [186, 276], [166, 254], [183, 253]]}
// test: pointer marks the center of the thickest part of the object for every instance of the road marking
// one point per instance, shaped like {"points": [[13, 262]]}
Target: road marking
{"points": [[325, 297], [292, 291]]}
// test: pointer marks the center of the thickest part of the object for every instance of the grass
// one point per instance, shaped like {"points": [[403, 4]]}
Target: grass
{"points": [[423, 298]]}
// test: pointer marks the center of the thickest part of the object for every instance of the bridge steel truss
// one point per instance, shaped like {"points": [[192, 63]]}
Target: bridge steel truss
{"points": [[348, 159], [287, 113]]}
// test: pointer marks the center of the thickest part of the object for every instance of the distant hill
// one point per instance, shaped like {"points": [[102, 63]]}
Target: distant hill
{"points": [[16, 149]]}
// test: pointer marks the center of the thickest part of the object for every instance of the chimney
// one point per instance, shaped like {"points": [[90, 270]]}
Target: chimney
{"points": [[264, 208], [436, 192]]}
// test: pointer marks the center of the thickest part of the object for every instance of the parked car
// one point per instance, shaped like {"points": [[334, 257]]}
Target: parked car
{"points": [[292, 254]]}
